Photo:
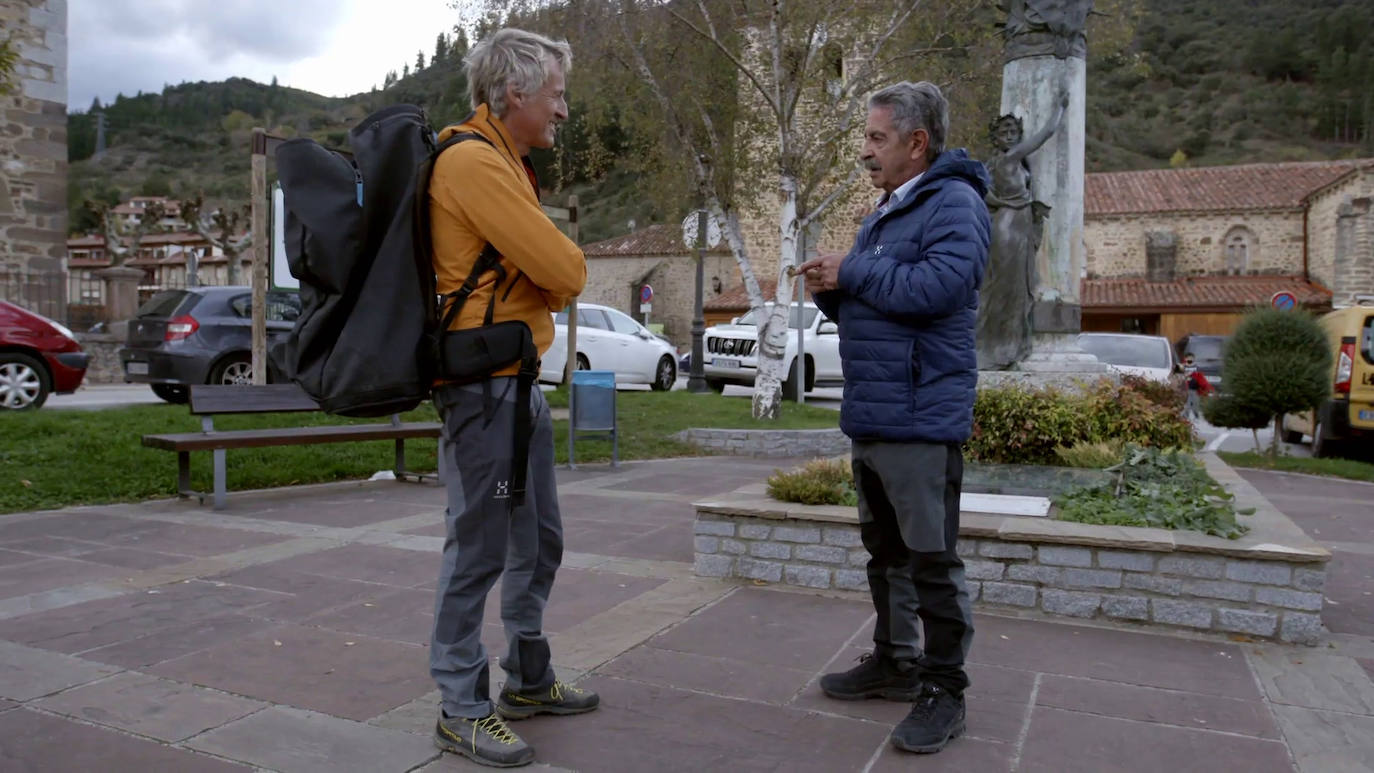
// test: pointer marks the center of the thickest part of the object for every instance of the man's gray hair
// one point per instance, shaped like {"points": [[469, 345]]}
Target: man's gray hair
{"points": [[917, 106], [512, 57]]}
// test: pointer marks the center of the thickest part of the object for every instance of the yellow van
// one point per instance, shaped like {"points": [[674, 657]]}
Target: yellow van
{"points": [[1348, 416]]}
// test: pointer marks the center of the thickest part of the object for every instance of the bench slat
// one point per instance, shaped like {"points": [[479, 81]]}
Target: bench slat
{"points": [[255, 438], [254, 398]]}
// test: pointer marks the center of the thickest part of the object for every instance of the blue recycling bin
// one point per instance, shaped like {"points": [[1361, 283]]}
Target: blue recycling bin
{"points": [[591, 411]]}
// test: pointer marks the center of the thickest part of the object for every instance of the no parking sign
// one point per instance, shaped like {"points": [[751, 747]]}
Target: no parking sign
{"points": [[1284, 301]]}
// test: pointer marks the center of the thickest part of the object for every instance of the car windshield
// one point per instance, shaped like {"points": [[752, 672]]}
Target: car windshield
{"points": [[1205, 347], [163, 304], [1128, 351], [810, 316]]}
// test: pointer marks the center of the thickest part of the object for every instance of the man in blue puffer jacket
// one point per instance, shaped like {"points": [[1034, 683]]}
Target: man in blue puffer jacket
{"points": [[906, 299]]}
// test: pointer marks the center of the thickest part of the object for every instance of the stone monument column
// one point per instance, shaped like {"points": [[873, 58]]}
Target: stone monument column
{"points": [[1044, 50]]}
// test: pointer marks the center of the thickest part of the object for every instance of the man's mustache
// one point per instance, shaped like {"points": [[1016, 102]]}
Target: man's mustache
{"points": [[872, 164]]}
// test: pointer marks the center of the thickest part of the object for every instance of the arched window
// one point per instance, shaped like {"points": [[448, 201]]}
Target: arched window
{"points": [[1239, 250]]}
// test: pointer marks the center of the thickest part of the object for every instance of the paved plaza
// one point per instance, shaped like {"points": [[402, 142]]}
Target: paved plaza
{"points": [[289, 633]]}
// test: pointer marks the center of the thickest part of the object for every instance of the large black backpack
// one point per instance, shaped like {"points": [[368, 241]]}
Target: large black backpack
{"points": [[370, 340]]}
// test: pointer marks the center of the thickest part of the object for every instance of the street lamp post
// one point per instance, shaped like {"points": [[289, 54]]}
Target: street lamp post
{"points": [[696, 382]]}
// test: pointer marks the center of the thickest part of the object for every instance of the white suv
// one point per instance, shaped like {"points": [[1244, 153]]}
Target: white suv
{"points": [[730, 351]]}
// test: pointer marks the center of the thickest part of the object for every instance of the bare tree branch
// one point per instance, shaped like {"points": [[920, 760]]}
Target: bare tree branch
{"points": [[763, 90]]}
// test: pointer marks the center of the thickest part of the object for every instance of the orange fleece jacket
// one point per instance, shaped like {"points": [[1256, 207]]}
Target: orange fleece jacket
{"points": [[480, 194]]}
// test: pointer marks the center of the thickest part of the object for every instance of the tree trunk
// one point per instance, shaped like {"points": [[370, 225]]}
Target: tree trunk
{"points": [[1276, 444], [772, 346]]}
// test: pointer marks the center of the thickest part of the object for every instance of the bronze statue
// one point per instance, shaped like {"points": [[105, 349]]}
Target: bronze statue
{"points": [[1007, 295], [1045, 27]]}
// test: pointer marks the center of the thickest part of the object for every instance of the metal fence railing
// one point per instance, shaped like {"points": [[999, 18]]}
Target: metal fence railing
{"points": [[77, 298]]}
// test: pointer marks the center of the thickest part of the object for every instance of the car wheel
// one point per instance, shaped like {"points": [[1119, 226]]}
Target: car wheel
{"points": [[1322, 446], [716, 385], [233, 371], [582, 362], [24, 382], [666, 375], [176, 394]]}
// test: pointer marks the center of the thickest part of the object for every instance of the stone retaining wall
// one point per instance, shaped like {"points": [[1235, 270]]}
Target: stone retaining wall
{"points": [[769, 442], [1267, 584]]}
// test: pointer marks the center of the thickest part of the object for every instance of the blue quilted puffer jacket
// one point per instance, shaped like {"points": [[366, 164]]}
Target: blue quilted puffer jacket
{"points": [[906, 307]]}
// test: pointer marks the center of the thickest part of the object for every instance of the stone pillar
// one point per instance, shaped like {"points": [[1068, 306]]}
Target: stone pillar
{"points": [[121, 292], [33, 138], [1045, 49]]}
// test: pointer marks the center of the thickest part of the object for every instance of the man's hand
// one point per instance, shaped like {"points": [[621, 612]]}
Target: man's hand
{"points": [[822, 273]]}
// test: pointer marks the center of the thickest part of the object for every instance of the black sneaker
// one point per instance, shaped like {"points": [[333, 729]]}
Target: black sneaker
{"points": [[486, 741], [559, 698], [936, 718], [875, 677]]}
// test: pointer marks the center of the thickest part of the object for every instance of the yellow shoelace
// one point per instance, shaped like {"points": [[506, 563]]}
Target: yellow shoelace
{"points": [[556, 692], [497, 728]]}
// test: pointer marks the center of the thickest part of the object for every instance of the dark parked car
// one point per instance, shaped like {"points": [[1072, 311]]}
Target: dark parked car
{"points": [[37, 357], [1207, 351], [200, 335]]}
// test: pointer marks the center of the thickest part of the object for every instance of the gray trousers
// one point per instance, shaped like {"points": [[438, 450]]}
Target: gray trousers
{"points": [[909, 522], [486, 537]]}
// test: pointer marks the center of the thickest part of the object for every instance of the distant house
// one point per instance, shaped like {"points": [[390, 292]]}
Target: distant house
{"points": [[1173, 251], [130, 213], [161, 256]]}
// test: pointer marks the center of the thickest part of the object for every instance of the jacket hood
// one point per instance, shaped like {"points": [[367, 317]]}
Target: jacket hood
{"points": [[956, 164]]}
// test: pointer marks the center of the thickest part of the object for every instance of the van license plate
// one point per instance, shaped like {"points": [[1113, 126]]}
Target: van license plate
{"points": [[719, 363], [1366, 415], [137, 368]]}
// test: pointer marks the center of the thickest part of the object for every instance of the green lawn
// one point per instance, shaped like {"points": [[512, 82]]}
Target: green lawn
{"points": [[1336, 468], [57, 458]]}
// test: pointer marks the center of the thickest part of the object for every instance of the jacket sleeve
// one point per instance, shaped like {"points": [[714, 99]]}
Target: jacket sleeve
{"points": [[829, 303], [939, 282], [487, 194]]}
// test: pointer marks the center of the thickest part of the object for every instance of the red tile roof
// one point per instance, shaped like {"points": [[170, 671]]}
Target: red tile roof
{"points": [[1221, 293], [1245, 186], [654, 240]]}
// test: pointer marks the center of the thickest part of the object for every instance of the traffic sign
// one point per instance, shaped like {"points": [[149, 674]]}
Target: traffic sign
{"points": [[646, 294], [1284, 300]]}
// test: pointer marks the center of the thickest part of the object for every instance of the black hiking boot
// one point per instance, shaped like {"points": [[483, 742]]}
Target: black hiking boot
{"points": [[486, 741], [875, 677], [936, 718], [557, 698]]}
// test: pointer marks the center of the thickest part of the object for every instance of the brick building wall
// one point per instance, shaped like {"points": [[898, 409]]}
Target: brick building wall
{"points": [[1340, 232], [33, 140]]}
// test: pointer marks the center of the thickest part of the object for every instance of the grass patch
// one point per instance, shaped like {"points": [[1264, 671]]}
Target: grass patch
{"points": [[1335, 468], [59, 458]]}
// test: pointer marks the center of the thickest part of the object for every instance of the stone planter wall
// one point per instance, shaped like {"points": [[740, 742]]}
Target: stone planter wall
{"points": [[1267, 584], [769, 442], [104, 367]]}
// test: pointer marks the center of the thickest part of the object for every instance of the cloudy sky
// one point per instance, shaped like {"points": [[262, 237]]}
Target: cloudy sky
{"points": [[331, 47]]}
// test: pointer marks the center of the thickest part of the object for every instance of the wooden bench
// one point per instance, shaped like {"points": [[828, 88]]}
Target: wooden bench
{"points": [[209, 401]]}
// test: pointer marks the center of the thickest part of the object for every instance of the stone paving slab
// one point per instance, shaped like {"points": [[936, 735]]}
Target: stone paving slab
{"points": [[177, 641], [1059, 741], [1313, 680], [27, 673], [1328, 740], [1150, 704], [347, 675], [41, 743], [294, 741], [158, 708]]}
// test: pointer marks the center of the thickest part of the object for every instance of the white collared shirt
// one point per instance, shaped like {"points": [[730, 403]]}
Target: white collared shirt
{"points": [[885, 203]]}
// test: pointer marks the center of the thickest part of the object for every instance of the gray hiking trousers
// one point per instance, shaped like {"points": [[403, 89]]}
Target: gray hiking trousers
{"points": [[486, 537]]}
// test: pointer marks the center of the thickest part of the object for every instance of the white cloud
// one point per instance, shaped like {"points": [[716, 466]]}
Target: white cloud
{"points": [[332, 47]]}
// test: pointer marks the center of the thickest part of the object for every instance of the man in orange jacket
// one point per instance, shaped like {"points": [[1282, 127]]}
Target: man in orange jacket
{"points": [[485, 193]]}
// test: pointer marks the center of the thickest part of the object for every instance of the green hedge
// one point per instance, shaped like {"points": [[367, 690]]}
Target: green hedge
{"points": [[1016, 425]]}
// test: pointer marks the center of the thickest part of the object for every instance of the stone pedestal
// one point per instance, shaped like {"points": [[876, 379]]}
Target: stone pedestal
{"points": [[1031, 86], [121, 291]]}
